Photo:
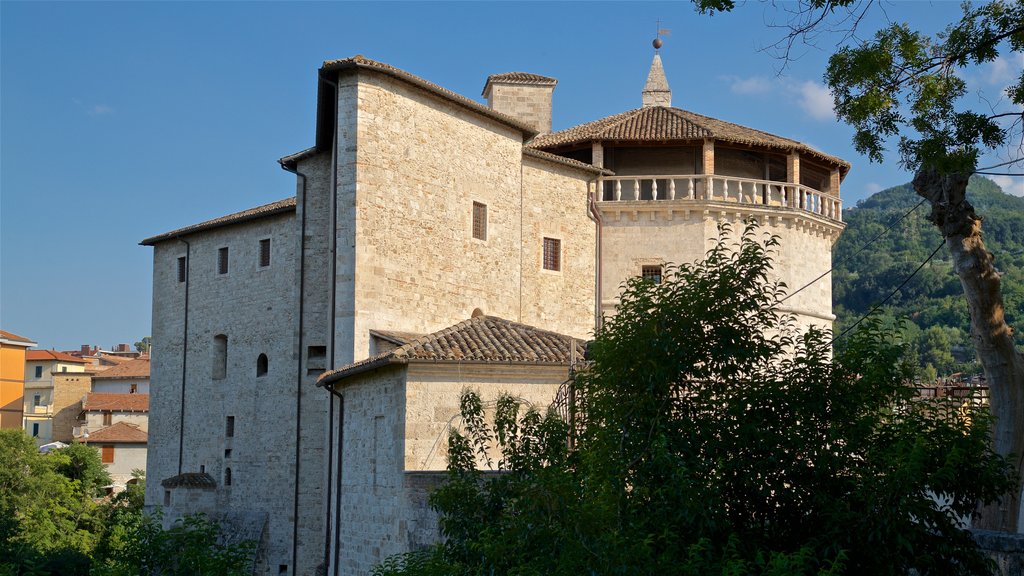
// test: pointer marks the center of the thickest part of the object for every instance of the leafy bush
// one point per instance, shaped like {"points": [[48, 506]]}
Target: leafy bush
{"points": [[714, 439]]}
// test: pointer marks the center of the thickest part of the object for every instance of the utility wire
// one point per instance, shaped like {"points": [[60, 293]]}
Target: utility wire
{"points": [[1001, 173], [998, 165], [859, 250], [891, 294]]}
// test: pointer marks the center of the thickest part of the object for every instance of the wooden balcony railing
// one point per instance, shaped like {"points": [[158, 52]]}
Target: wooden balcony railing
{"points": [[710, 187]]}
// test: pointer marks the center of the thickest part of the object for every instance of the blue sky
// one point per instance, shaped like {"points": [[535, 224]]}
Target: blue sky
{"points": [[123, 120]]}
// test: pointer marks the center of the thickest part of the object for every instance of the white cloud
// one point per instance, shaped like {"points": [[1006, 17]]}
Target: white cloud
{"points": [[752, 85], [815, 99], [1010, 184], [1001, 70], [93, 109], [873, 187]]}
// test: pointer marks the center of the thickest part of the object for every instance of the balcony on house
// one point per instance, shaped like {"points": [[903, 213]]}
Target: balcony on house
{"points": [[694, 188]]}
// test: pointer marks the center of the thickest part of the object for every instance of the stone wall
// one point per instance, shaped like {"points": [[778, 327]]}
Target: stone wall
{"points": [[639, 233], [68, 391], [531, 104], [255, 309], [420, 164], [1006, 550]]}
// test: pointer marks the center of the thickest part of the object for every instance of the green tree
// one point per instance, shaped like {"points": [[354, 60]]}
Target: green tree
{"points": [[712, 439], [144, 345], [907, 85], [49, 522]]}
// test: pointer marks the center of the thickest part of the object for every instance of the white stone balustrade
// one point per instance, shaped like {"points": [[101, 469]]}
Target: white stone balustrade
{"points": [[713, 187]]}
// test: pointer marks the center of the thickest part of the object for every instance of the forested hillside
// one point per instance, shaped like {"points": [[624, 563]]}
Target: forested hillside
{"points": [[932, 303]]}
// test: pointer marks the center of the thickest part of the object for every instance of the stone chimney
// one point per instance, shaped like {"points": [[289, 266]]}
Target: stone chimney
{"points": [[524, 96], [656, 91]]}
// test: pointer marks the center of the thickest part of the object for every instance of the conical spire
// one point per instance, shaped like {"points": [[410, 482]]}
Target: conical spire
{"points": [[656, 90]]}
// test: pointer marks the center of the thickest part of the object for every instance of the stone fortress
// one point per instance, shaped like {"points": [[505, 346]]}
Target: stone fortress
{"points": [[309, 353]]}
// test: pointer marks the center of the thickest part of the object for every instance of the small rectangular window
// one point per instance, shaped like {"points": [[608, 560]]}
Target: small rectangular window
{"points": [[479, 221], [652, 273], [552, 254], [222, 261], [265, 253], [37, 400], [39, 371], [202, 468], [108, 418], [35, 429], [133, 388], [229, 427], [107, 454], [181, 269], [227, 452], [167, 497], [316, 359]]}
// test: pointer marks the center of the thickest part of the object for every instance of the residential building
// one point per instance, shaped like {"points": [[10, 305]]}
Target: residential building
{"points": [[128, 377], [54, 385], [117, 425], [415, 210], [12, 379]]}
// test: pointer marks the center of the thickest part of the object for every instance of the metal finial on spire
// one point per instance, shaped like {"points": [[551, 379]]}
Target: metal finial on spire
{"points": [[658, 33]]}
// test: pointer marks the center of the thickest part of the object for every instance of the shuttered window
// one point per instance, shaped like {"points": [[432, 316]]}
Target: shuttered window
{"points": [[107, 455]]}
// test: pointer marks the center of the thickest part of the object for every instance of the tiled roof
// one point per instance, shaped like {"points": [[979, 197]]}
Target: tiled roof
{"points": [[52, 356], [566, 161], [120, 432], [113, 360], [190, 480], [663, 124], [521, 78], [517, 78], [361, 62], [396, 336], [137, 368], [114, 402], [286, 205], [12, 338], [481, 339]]}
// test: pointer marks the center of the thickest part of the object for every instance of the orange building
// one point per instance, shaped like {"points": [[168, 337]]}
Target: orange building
{"points": [[12, 378]]}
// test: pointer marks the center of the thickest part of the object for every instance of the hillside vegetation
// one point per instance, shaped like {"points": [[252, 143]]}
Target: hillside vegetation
{"points": [[932, 305]]}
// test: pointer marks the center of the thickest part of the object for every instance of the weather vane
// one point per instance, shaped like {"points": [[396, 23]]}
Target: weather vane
{"points": [[658, 33]]}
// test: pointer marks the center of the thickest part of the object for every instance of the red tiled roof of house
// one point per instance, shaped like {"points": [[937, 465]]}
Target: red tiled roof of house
{"points": [[52, 355], [481, 339], [119, 432], [114, 402], [14, 338], [137, 368], [190, 480]]}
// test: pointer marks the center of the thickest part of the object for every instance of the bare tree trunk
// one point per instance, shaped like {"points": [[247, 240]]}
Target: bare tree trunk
{"points": [[993, 338]]}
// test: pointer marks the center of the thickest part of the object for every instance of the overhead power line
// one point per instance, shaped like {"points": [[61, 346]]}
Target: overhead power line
{"points": [[859, 250], [893, 293]]}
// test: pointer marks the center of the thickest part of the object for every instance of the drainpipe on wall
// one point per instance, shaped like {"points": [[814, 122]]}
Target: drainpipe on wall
{"points": [[184, 355], [337, 481], [595, 215], [298, 366]]}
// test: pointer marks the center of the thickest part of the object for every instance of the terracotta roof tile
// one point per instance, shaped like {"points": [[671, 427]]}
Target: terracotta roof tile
{"points": [[114, 402], [481, 339], [52, 356], [286, 205], [517, 78], [137, 368], [663, 124], [534, 153], [190, 480], [120, 432], [396, 336], [12, 337]]}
